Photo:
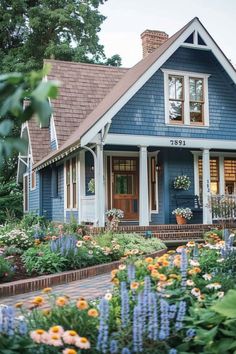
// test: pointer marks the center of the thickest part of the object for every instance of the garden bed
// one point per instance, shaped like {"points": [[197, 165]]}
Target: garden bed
{"points": [[40, 282]]}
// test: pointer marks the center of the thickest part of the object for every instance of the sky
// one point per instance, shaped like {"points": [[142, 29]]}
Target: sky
{"points": [[127, 19]]}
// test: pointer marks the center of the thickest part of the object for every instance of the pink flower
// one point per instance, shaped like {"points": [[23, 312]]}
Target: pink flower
{"points": [[39, 336], [55, 340], [70, 337]]}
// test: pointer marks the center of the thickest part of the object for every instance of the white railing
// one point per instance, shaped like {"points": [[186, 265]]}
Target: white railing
{"points": [[223, 207]]}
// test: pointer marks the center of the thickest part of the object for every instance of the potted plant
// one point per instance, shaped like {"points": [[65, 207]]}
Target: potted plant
{"points": [[182, 215], [182, 182], [113, 217]]}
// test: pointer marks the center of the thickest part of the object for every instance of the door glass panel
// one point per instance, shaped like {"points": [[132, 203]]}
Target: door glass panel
{"points": [[124, 184]]}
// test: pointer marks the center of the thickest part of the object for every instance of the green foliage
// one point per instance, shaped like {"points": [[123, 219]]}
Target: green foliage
{"points": [[31, 219], [41, 260], [10, 200], [31, 31], [227, 306], [6, 272]]}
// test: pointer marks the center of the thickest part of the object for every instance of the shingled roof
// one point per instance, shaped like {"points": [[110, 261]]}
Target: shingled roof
{"points": [[82, 87]]}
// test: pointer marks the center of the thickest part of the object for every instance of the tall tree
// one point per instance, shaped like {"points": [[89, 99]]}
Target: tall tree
{"points": [[31, 30]]}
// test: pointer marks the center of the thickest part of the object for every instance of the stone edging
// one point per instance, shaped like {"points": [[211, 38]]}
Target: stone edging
{"points": [[44, 281]]}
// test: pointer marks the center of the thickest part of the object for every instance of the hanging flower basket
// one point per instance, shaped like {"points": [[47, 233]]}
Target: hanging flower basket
{"points": [[182, 182]]}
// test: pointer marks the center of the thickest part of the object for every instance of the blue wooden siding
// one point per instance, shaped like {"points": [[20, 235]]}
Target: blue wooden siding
{"points": [[71, 215], [58, 200], [144, 114]]}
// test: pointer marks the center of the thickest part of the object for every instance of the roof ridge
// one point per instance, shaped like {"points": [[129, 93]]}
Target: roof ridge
{"points": [[85, 64]]}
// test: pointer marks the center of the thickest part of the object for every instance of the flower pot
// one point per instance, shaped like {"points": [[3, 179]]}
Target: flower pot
{"points": [[181, 220]]}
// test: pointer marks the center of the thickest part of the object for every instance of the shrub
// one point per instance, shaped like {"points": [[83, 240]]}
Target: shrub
{"points": [[17, 238], [6, 270], [42, 260], [31, 219]]}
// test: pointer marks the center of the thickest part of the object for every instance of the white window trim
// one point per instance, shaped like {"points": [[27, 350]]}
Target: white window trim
{"points": [[53, 135], [186, 75], [150, 155], [221, 156], [33, 188], [71, 186], [24, 209]]}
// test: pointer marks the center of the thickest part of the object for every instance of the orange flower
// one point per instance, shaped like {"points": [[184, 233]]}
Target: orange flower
{"points": [[93, 313], [154, 273], [150, 267], [114, 272], [82, 305], [38, 301], [18, 305], [149, 260], [61, 301], [46, 290], [162, 277], [165, 263], [134, 285]]}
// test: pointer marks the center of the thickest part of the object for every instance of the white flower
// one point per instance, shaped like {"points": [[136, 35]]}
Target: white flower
{"points": [[207, 276], [190, 282], [108, 296], [220, 294], [194, 263], [196, 292], [214, 286]]}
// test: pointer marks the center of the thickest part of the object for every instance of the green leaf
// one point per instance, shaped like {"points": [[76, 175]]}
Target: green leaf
{"points": [[5, 127], [227, 306], [44, 90], [43, 111]]}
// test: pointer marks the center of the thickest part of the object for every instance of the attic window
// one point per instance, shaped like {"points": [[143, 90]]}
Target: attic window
{"points": [[200, 41], [186, 98], [190, 39]]}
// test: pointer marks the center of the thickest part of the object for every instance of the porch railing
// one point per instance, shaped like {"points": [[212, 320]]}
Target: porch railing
{"points": [[223, 207]]}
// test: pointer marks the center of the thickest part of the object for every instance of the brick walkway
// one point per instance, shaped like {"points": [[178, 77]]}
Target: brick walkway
{"points": [[90, 288]]}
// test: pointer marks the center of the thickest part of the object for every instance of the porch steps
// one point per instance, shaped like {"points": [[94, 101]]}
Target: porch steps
{"points": [[167, 233]]}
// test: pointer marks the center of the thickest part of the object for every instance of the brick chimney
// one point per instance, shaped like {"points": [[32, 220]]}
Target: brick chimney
{"points": [[151, 40]]}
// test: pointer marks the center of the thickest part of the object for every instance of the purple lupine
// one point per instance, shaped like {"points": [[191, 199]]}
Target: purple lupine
{"points": [[102, 340], [7, 320], [131, 272], [172, 351], [125, 351], [137, 330], [22, 326], [180, 315], [124, 305], [152, 317], [172, 311], [164, 322], [113, 346], [183, 267]]}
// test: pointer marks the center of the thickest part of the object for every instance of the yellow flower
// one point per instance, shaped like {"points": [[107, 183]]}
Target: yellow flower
{"points": [[149, 260], [18, 305], [114, 272], [82, 305], [174, 276], [61, 301], [46, 312], [46, 290], [134, 285], [93, 313], [38, 301], [116, 281]]}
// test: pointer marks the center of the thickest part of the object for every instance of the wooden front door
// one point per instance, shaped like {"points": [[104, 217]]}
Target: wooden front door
{"points": [[125, 186]]}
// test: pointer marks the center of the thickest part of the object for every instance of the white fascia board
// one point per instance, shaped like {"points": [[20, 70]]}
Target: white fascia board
{"points": [[210, 44], [216, 51], [174, 142], [106, 118]]}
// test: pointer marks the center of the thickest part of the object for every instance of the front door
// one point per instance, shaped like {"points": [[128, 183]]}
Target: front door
{"points": [[125, 186]]}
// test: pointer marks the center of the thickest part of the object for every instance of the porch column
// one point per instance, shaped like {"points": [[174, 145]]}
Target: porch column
{"points": [[143, 187], [206, 183], [99, 187]]}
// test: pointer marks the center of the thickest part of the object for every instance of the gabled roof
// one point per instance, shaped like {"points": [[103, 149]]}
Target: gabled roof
{"points": [[132, 81], [40, 140]]}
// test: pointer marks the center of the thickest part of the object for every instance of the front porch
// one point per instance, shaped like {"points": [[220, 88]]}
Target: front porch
{"points": [[139, 180]]}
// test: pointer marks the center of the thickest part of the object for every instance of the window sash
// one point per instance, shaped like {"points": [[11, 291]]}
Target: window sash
{"points": [[71, 183], [33, 180]]}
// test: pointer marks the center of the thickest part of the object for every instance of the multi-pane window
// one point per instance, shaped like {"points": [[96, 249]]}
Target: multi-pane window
{"points": [[68, 184], [176, 99], [71, 183], [186, 100], [230, 175], [196, 100]]}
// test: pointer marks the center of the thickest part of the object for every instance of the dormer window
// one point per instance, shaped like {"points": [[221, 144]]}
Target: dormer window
{"points": [[186, 98]]}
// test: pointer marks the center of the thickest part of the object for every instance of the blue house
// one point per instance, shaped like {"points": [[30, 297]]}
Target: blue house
{"points": [[130, 132]]}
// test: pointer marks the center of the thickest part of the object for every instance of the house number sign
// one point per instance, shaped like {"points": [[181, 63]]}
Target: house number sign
{"points": [[177, 142]]}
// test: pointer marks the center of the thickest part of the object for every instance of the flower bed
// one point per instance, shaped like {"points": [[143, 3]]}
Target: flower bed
{"points": [[180, 302], [53, 250]]}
